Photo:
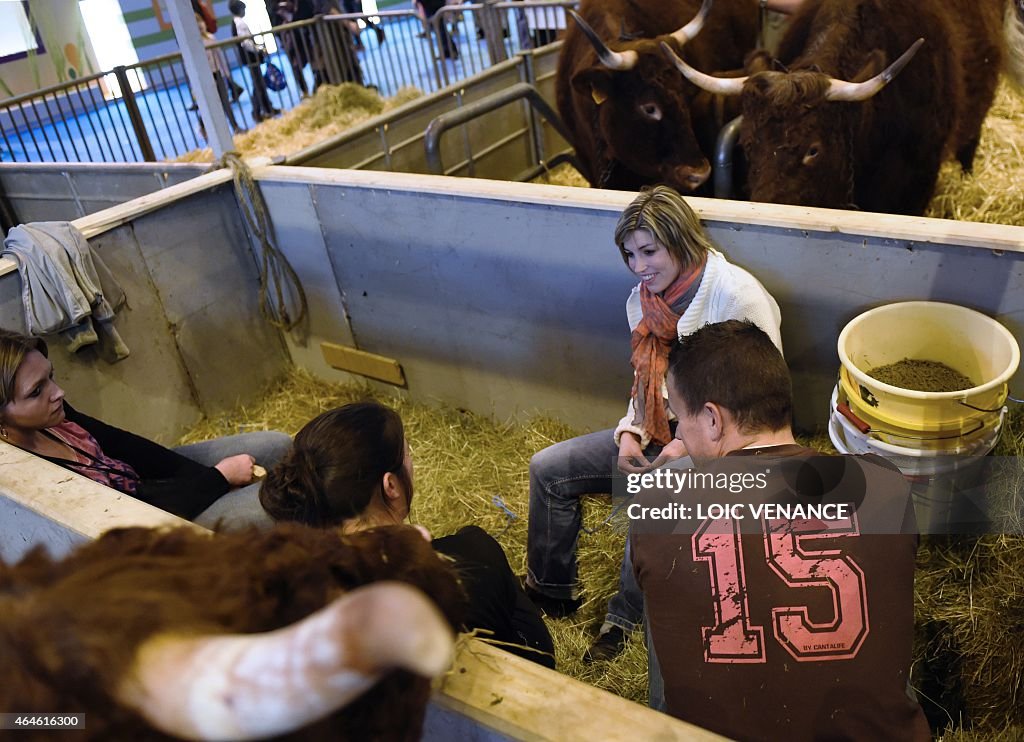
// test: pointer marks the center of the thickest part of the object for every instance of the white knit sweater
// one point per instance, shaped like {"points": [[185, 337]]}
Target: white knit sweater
{"points": [[726, 292]]}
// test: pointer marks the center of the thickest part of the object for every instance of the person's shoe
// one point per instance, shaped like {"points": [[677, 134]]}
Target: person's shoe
{"points": [[553, 607], [606, 647], [274, 112]]}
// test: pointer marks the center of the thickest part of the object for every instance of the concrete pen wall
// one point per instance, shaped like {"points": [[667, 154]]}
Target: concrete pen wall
{"points": [[508, 298]]}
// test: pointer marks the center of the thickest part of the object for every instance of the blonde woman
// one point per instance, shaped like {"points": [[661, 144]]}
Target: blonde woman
{"points": [[684, 283]]}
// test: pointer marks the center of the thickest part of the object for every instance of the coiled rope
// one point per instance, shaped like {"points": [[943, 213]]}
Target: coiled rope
{"points": [[288, 307]]}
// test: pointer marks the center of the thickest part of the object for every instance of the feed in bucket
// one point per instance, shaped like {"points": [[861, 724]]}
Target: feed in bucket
{"points": [[968, 342]]}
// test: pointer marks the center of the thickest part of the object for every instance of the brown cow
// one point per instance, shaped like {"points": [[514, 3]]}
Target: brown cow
{"points": [[167, 634], [633, 121], [827, 130]]}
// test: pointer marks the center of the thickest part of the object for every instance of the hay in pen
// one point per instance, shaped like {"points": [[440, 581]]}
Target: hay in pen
{"points": [[969, 592], [331, 110]]}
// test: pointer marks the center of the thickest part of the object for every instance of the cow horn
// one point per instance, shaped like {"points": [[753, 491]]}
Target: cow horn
{"points": [[856, 91], [717, 85], [691, 29], [260, 685], [612, 60]]}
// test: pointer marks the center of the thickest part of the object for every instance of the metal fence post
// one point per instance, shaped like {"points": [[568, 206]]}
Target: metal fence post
{"points": [[330, 66], [491, 20], [536, 126], [134, 114]]}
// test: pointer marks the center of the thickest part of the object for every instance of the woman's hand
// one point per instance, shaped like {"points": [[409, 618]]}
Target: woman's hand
{"points": [[631, 455], [674, 449], [237, 469]]}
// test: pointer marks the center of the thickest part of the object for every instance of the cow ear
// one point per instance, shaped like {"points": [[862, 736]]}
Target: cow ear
{"points": [[595, 82], [875, 63], [757, 61]]}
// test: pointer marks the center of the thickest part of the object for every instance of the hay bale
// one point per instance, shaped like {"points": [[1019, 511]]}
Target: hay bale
{"points": [[330, 111]]}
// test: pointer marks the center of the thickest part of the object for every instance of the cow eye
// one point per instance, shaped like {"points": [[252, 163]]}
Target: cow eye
{"points": [[812, 154], [651, 111]]}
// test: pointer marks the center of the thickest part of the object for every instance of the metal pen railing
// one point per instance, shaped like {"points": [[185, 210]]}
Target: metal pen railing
{"points": [[146, 111]]}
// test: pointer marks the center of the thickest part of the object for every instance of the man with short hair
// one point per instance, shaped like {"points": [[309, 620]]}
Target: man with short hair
{"points": [[767, 625]]}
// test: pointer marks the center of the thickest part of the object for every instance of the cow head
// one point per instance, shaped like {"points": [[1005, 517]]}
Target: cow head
{"points": [[797, 132], [643, 108]]}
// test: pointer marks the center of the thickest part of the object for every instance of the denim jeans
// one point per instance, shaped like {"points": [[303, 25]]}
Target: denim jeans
{"points": [[655, 684], [240, 507], [559, 476]]}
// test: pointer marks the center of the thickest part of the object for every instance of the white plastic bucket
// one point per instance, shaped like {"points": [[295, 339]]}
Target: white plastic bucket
{"points": [[913, 461]]}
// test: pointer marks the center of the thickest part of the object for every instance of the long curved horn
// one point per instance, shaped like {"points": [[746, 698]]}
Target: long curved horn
{"points": [[612, 60], [717, 85], [693, 28], [260, 685], [855, 91]]}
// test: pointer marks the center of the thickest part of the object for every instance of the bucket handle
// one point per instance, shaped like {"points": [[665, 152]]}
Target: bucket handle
{"points": [[997, 409], [844, 409]]}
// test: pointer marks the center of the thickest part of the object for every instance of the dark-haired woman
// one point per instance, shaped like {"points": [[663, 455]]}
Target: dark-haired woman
{"points": [[210, 482], [351, 469]]}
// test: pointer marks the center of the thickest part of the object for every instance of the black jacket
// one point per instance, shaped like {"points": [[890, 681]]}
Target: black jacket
{"points": [[170, 481]]}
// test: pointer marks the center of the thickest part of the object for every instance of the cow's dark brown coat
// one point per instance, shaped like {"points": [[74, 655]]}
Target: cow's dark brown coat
{"points": [[69, 629], [619, 144], [884, 153]]}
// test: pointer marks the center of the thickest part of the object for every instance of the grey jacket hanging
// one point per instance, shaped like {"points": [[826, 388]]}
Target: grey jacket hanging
{"points": [[65, 286]]}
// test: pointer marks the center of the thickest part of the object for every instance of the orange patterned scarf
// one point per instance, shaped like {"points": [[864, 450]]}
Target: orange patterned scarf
{"points": [[652, 340]]}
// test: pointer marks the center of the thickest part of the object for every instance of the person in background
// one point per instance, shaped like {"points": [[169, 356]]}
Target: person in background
{"points": [[210, 483], [221, 75], [351, 469], [356, 6], [252, 56], [345, 35], [684, 283], [295, 41], [429, 9], [775, 627]]}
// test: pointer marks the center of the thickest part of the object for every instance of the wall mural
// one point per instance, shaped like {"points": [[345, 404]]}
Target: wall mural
{"points": [[55, 55]]}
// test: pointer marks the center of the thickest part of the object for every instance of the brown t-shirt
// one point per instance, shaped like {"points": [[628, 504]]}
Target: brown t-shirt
{"points": [[787, 629]]}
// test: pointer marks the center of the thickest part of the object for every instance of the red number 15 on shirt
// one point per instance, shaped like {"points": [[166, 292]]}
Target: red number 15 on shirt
{"points": [[734, 638]]}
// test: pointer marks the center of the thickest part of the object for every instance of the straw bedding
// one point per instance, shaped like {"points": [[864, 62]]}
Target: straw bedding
{"points": [[969, 593]]}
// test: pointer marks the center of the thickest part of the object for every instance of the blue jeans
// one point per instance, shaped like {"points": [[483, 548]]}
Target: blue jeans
{"points": [[240, 507], [559, 476]]}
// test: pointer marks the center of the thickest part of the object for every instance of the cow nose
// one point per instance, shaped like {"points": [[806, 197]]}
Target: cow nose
{"points": [[692, 178]]}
